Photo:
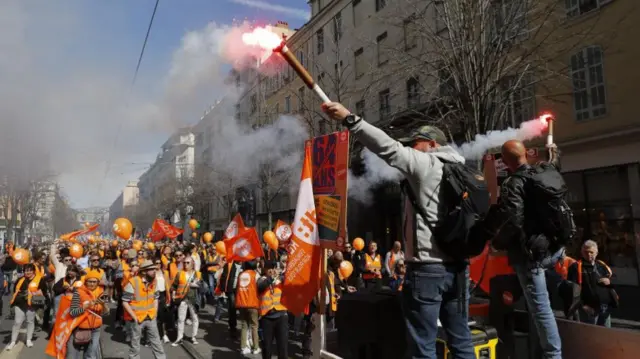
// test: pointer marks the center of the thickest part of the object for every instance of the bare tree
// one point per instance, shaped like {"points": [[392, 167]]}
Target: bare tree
{"points": [[63, 217], [471, 65]]}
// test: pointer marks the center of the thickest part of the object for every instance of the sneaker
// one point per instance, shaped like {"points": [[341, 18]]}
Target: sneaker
{"points": [[194, 341], [29, 343], [245, 351], [177, 343], [256, 351], [10, 346], [165, 339]]}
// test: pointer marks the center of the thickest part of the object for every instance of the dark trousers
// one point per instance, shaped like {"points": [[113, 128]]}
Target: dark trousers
{"points": [[231, 308], [119, 309], [164, 315], [274, 328]]}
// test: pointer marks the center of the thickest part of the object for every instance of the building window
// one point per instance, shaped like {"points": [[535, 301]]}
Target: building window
{"points": [[383, 51], [301, 99], [440, 16], [520, 95], [385, 107], [358, 15], [578, 7], [301, 58], [359, 62], [277, 108], [287, 104], [587, 75], [509, 19], [360, 110], [413, 92], [254, 103], [410, 33], [320, 41], [380, 4], [337, 27], [447, 85], [237, 112]]}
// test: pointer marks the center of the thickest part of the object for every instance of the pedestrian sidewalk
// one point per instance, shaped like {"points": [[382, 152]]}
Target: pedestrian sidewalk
{"points": [[20, 351]]}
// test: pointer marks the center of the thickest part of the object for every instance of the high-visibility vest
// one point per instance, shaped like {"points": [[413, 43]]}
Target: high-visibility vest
{"points": [[212, 259], [183, 285], [32, 289], [40, 271], [52, 268], [332, 292], [401, 283], [270, 300], [372, 263], [173, 271], [142, 303], [609, 272], [247, 290], [94, 319]]}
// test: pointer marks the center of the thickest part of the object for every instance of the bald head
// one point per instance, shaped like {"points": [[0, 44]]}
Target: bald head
{"points": [[514, 154]]}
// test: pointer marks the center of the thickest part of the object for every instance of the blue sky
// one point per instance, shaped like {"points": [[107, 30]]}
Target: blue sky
{"points": [[67, 65]]}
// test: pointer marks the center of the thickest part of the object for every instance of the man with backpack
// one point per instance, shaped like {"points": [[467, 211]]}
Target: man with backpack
{"points": [[437, 279], [535, 225]]}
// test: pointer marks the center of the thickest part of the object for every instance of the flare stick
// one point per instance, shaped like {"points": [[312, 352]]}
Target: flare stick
{"points": [[306, 77], [550, 121]]}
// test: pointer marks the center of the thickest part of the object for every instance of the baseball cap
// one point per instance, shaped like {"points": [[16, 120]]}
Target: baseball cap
{"points": [[429, 133]]}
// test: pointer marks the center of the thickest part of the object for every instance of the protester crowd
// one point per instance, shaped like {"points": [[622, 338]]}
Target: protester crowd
{"points": [[159, 287]]}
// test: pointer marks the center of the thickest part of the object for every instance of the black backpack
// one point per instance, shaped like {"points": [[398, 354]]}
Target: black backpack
{"points": [[466, 201], [546, 193]]}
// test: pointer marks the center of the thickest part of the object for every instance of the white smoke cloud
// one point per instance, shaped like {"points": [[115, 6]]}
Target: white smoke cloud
{"points": [[73, 114], [379, 172]]}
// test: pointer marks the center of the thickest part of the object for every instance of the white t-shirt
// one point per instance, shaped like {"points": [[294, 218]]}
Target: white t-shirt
{"points": [[160, 286]]}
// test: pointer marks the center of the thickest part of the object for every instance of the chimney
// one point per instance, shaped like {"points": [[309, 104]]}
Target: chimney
{"points": [[282, 24]]}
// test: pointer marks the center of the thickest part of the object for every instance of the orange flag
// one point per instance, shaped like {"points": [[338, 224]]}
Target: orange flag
{"points": [[235, 226], [61, 334], [283, 232], [302, 276], [244, 247]]}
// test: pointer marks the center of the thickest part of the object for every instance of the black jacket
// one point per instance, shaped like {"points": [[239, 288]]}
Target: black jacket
{"points": [[514, 224]]}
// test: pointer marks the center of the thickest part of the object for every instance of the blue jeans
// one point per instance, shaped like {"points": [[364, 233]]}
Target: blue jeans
{"points": [[212, 283], [88, 352], [534, 286], [431, 291]]}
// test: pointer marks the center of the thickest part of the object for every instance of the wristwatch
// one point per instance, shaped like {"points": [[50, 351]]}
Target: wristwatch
{"points": [[351, 120]]}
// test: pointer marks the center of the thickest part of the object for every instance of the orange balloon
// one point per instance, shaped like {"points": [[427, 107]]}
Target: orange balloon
{"points": [[358, 244], [220, 248], [137, 245], [122, 227], [194, 235], [76, 250], [151, 246], [270, 239], [193, 224], [20, 256], [87, 224], [345, 269], [207, 237], [114, 243], [97, 234]]}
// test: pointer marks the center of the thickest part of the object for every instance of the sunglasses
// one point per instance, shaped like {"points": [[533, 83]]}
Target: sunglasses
{"points": [[92, 281], [67, 260], [134, 264], [158, 263], [188, 262], [95, 259]]}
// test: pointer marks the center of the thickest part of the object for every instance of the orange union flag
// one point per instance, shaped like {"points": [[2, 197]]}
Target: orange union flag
{"points": [[244, 247], [302, 277], [235, 227]]}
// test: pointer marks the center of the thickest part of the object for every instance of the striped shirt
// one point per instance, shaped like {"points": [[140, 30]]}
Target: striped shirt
{"points": [[76, 308]]}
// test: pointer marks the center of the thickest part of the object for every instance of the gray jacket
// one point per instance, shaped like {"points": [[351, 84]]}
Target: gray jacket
{"points": [[423, 172]]}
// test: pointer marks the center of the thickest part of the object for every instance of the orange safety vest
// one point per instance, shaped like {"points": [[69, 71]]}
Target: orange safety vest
{"points": [[173, 271], [212, 259], [40, 271], [372, 263], [401, 283], [52, 268], [332, 292], [143, 302], [597, 261], [270, 300], [183, 285], [94, 319], [32, 289], [247, 290]]}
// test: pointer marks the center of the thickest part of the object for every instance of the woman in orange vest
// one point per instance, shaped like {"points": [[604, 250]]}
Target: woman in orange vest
{"points": [[27, 288], [185, 295], [88, 304], [372, 267], [248, 303], [273, 315]]}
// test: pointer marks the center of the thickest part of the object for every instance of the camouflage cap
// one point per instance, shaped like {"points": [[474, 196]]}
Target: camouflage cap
{"points": [[429, 133]]}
